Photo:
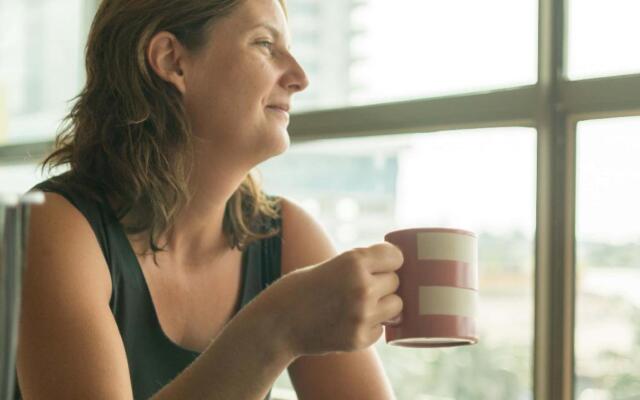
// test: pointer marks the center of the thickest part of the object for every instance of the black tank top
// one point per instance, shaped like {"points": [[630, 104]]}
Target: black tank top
{"points": [[154, 360]]}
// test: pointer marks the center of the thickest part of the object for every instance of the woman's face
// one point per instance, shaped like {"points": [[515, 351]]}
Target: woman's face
{"points": [[238, 88]]}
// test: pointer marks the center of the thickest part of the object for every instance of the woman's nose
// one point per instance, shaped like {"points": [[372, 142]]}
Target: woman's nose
{"points": [[297, 79]]}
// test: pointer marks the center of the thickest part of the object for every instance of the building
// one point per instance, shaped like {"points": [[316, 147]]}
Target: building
{"points": [[322, 39]]}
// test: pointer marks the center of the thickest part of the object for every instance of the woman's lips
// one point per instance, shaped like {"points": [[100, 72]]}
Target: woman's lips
{"points": [[280, 110]]}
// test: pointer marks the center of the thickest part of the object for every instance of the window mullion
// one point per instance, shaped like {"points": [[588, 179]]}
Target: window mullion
{"points": [[555, 243]]}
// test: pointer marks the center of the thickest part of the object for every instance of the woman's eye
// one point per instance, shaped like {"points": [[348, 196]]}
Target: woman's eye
{"points": [[266, 44]]}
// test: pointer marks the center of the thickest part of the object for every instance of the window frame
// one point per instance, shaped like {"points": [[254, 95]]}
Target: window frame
{"points": [[554, 106]]}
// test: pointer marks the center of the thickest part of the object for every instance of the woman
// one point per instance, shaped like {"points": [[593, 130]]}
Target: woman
{"points": [[157, 267]]}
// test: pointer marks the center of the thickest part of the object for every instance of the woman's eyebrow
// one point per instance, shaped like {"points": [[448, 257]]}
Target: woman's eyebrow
{"points": [[274, 31]]}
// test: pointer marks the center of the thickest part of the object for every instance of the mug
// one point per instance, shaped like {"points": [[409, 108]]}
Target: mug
{"points": [[438, 287]]}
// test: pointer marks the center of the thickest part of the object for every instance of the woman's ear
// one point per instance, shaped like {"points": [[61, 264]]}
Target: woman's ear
{"points": [[166, 56]]}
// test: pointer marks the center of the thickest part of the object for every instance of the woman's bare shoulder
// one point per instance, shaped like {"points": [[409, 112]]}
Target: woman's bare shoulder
{"points": [[304, 240], [60, 235], [69, 344]]}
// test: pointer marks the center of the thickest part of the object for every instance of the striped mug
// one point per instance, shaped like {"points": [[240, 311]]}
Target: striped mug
{"points": [[438, 287]]}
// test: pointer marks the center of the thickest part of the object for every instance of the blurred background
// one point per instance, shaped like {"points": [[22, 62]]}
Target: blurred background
{"points": [[431, 162]]}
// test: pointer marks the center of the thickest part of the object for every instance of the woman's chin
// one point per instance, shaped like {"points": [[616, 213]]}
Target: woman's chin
{"points": [[281, 141], [275, 147]]}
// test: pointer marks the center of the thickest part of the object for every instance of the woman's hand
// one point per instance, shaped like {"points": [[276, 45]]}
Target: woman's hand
{"points": [[341, 304]]}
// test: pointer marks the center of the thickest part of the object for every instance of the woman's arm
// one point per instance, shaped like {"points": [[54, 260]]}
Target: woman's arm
{"points": [[242, 363], [69, 344], [352, 375]]}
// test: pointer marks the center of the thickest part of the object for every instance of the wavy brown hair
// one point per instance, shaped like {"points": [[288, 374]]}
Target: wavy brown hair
{"points": [[127, 136]]}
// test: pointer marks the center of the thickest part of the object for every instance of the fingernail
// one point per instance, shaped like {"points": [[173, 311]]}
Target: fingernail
{"points": [[397, 319]]}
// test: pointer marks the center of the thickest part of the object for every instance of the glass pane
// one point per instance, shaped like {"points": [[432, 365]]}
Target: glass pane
{"points": [[40, 68], [602, 38], [608, 260], [370, 51], [359, 189], [20, 178]]}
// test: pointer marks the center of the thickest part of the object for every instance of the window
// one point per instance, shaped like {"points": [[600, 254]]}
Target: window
{"points": [[361, 48], [41, 65], [363, 188], [608, 262], [603, 37], [20, 178]]}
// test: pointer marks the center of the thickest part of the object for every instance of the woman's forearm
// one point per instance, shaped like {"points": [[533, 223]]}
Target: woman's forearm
{"points": [[241, 363]]}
